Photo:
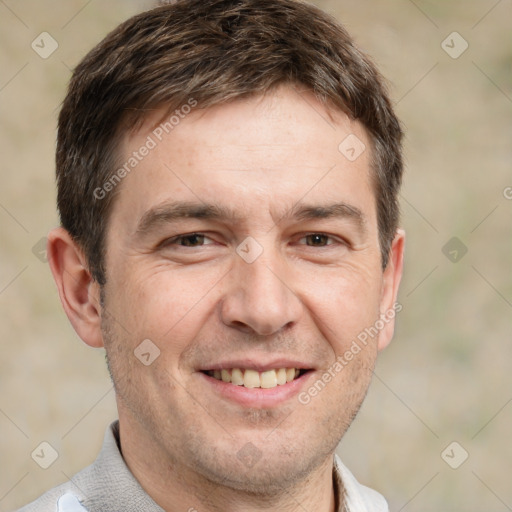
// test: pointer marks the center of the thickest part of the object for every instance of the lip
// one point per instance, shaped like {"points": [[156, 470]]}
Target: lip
{"points": [[259, 398], [251, 364]]}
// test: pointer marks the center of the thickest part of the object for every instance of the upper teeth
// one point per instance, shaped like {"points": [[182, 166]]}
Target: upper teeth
{"points": [[254, 379]]}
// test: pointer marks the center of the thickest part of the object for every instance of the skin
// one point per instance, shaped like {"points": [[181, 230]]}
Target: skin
{"points": [[304, 298]]}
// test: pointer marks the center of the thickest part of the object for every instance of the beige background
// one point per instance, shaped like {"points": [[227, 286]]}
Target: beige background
{"points": [[447, 375]]}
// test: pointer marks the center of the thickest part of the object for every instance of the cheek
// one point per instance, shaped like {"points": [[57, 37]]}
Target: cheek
{"points": [[343, 304], [159, 301], [339, 390]]}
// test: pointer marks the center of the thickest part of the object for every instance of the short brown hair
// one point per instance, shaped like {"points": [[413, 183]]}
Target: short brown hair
{"points": [[214, 51]]}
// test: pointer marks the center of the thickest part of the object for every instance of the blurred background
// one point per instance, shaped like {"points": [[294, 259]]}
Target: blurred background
{"points": [[435, 431]]}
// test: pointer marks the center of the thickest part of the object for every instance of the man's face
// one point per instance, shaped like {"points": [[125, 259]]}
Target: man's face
{"points": [[182, 272]]}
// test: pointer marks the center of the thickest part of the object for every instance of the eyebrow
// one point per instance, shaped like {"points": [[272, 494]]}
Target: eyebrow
{"points": [[169, 212], [336, 210]]}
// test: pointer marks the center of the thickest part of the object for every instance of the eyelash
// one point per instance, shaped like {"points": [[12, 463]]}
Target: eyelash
{"points": [[176, 239]]}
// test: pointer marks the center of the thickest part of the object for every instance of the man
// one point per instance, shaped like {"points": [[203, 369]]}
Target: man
{"points": [[228, 174]]}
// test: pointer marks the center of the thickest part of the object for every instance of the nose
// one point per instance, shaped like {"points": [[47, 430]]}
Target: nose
{"points": [[260, 297]]}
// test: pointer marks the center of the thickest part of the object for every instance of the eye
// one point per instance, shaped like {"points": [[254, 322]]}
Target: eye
{"points": [[317, 240], [190, 240]]}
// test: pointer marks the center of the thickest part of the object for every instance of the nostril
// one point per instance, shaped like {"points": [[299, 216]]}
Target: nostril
{"points": [[241, 326]]}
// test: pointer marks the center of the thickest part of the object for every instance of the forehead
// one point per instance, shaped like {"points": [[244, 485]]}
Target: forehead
{"points": [[264, 151]]}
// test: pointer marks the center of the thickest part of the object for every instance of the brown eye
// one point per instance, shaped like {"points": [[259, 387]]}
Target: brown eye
{"points": [[188, 240], [317, 240], [193, 240]]}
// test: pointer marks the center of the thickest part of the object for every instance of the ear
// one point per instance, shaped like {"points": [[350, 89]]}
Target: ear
{"points": [[391, 281], [79, 292]]}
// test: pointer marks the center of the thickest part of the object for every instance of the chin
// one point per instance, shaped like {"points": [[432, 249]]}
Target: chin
{"points": [[282, 463]]}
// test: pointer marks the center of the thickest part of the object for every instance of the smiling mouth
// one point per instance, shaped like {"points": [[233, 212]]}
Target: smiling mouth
{"points": [[253, 379]]}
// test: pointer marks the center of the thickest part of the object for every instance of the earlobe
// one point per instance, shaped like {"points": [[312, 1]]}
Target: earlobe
{"points": [[391, 282], [79, 292]]}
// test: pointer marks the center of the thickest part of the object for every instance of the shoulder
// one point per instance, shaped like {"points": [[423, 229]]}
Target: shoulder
{"points": [[69, 496], [64, 498], [107, 485]]}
